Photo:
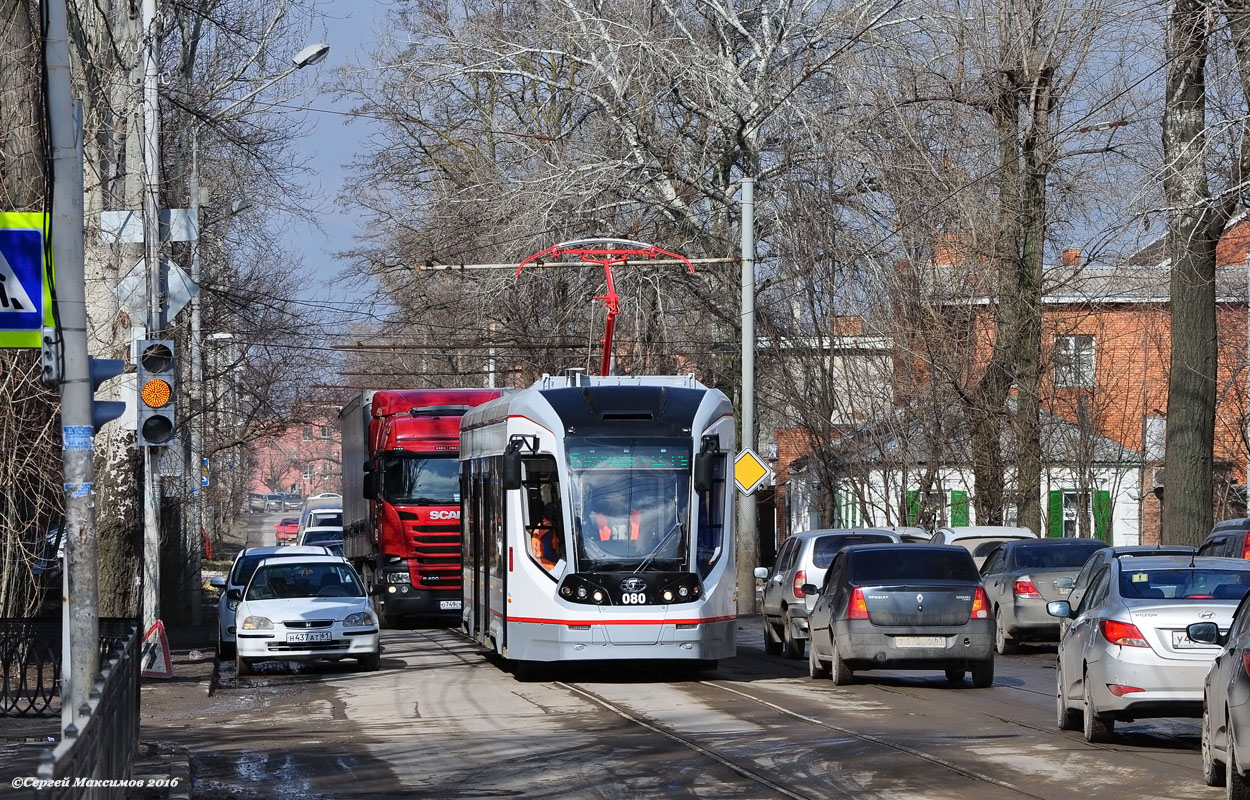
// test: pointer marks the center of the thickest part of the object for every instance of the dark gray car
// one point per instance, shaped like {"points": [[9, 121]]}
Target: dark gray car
{"points": [[1022, 576], [901, 606]]}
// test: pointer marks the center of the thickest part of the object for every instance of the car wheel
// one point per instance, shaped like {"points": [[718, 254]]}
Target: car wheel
{"points": [[772, 645], [841, 673], [1236, 787], [1212, 770], [790, 647], [1068, 719], [371, 662], [224, 651], [955, 674], [1004, 645], [983, 674], [815, 667], [242, 666], [1098, 728]]}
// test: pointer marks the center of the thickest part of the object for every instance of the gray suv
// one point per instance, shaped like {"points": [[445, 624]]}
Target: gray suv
{"points": [[803, 559]]}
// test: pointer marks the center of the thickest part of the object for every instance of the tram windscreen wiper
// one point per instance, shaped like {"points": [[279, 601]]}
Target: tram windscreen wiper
{"points": [[663, 541]]}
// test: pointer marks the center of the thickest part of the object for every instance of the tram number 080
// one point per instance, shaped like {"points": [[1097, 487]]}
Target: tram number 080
{"points": [[633, 598]]}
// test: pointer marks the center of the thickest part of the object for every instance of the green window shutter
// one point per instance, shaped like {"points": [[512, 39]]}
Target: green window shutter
{"points": [[959, 508], [1054, 518], [1102, 515], [913, 507]]}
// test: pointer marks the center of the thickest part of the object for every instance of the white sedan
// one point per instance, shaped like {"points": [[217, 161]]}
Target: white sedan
{"points": [[302, 609]]}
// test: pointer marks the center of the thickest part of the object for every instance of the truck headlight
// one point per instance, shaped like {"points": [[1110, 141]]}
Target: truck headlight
{"points": [[361, 619], [256, 624]]}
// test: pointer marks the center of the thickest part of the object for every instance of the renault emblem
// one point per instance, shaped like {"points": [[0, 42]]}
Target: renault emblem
{"points": [[919, 599]]}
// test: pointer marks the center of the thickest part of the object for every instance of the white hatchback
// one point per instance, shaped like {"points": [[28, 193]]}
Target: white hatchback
{"points": [[302, 609], [235, 581]]}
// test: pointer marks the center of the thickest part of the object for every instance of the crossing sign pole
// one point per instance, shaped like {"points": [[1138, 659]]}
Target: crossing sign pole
{"points": [[25, 297]]}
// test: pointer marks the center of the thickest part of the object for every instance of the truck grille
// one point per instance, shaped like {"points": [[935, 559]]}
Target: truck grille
{"points": [[435, 562]]}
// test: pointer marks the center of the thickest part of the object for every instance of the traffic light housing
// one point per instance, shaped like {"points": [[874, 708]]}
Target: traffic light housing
{"points": [[155, 382], [102, 411]]}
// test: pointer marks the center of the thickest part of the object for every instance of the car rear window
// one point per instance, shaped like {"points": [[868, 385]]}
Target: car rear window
{"points": [[1183, 584], [1068, 555], [321, 537], [913, 563], [828, 546], [330, 520], [245, 566]]}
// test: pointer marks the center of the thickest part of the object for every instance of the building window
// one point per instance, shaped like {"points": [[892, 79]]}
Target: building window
{"points": [[309, 472], [308, 433], [325, 431], [1074, 361]]}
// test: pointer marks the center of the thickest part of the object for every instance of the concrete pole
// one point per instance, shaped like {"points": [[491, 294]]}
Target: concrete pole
{"points": [[152, 254], [748, 532], [80, 661], [194, 541]]}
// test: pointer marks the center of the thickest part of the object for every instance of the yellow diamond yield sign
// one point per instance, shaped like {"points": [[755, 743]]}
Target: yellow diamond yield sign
{"points": [[749, 471]]}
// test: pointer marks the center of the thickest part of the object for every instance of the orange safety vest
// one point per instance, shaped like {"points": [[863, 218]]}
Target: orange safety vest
{"points": [[605, 531]]}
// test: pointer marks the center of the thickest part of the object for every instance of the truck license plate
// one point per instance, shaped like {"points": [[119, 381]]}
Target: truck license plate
{"points": [[449, 605], [310, 636], [919, 641]]}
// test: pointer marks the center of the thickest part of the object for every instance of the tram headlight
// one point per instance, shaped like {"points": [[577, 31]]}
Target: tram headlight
{"points": [[668, 596], [683, 591], [581, 592], [597, 596], [566, 591]]}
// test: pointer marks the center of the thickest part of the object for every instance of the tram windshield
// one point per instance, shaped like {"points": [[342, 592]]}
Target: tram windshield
{"points": [[421, 481], [630, 503]]}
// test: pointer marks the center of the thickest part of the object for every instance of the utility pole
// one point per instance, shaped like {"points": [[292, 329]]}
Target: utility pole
{"points": [[152, 256], [195, 458], [748, 530], [81, 616]]}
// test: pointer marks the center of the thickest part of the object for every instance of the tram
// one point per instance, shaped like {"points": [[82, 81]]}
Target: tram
{"points": [[598, 521]]}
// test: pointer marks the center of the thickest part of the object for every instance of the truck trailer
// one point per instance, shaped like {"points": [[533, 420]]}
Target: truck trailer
{"points": [[401, 497]]}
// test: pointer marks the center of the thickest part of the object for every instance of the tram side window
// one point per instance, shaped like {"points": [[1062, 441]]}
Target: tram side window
{"points": [[712, 520], [492, 502], [544, 514]]}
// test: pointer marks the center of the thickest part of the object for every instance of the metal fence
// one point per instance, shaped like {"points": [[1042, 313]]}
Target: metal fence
{"points": [[99, 747], [30, 662]]}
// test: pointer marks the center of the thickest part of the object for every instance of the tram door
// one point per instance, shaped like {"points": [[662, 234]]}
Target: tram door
{"points": [[479, 536]]}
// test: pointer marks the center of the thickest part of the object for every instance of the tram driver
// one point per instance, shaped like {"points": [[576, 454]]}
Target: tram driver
{"points": [[545, 541]]}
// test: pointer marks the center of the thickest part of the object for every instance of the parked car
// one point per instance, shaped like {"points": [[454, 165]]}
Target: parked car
{"points": [[803, 559], [1021, 576], [909, 534], [1127, 654], [1226, 702], [901, 606], [979, 538], [322, 534], [306, 608], [255, 501], [285, 530], [1080, 584], [236, 579], [325, 509], [1228, 539], [273, 501]]}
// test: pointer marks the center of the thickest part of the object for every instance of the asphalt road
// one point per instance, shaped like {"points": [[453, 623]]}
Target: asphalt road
{"points": [[440, 720]]}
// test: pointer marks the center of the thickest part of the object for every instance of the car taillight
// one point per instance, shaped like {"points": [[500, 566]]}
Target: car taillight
{"points": [[800, 578], [980, 605], [1026, 588], [1124, 634], [856, 608], [1245, 546], [1119, 689]]}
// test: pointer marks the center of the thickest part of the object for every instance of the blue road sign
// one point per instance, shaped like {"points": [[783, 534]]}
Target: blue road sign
{"points": [[25, 302]]}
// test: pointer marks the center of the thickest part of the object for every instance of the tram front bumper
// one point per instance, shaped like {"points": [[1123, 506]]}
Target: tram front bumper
{"points": [[587, 641]]}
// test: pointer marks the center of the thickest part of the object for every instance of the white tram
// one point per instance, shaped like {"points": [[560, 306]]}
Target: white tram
{"points": [[598, 521]]}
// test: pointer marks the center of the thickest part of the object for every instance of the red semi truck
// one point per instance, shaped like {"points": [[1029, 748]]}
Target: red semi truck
{"points": [[401, 497]]}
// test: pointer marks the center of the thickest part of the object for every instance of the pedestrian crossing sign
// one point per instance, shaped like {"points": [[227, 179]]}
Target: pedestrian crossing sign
{"points": [[25, 296]]}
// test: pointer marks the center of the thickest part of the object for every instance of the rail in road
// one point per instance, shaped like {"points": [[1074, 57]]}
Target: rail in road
{"points": [[770, 730]]}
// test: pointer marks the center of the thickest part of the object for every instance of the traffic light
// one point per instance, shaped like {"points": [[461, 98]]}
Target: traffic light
{"points": [[102, 411], [155, 383]]}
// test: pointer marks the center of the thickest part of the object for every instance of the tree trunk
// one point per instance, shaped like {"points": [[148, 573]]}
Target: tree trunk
{"points": [[1194, 225]]}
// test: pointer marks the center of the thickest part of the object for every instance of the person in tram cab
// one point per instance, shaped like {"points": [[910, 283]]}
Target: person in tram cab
{"points": [[545, 541], [614, 524]]}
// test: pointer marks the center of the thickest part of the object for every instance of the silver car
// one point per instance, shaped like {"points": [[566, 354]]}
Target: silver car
{"points": [[235, 581], [1126, 654], [803, 559], [1022, 576]]}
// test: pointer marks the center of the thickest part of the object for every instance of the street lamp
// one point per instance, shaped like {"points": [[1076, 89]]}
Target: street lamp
{"points": [[312, 54]]}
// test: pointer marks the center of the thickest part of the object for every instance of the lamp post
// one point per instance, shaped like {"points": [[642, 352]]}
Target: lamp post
{"points": [[312, 54]]}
